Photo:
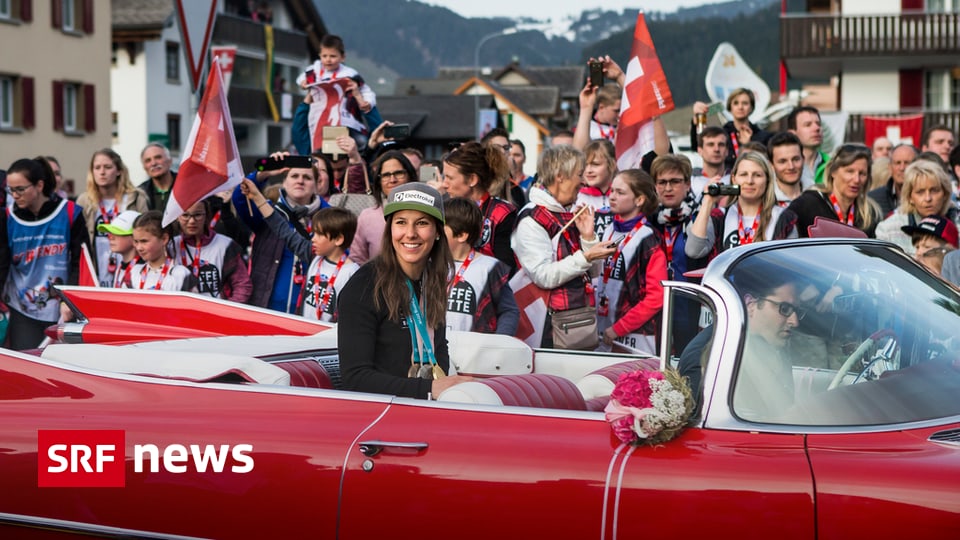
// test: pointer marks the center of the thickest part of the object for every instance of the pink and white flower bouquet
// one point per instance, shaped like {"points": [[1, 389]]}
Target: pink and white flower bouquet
{"points": [[649, 406]]}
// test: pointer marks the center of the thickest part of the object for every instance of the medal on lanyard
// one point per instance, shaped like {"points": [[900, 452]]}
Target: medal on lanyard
{"points": [[420, 367]]}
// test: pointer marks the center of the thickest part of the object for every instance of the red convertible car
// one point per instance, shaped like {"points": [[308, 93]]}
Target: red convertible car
{"points": [[827, 371]]}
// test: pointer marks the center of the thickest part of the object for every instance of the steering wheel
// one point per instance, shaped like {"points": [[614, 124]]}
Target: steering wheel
{"points": [[858, 353]]}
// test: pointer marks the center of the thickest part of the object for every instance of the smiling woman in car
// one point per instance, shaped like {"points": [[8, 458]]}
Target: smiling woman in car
{"points": [[392, 328]]}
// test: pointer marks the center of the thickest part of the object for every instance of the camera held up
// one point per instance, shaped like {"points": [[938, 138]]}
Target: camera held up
{"points": [[720, 190]]}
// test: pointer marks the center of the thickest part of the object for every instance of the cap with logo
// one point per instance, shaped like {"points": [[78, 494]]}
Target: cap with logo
{"points": [[935, 225], [122, 225], [415, 196]]}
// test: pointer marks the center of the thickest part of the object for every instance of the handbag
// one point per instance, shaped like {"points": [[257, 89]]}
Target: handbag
{"points": [[575, 329], [354, 202]]}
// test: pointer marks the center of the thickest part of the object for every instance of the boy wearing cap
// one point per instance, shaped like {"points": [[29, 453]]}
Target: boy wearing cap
{"points": [[123, 256], [934, 237]]}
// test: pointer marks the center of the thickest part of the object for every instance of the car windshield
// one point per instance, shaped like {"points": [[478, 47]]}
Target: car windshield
{"points": [[842, 335]]}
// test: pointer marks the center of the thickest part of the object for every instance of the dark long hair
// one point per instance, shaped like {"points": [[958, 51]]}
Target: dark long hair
{"points": [[390, 285], [377, 186], [35, 170]]}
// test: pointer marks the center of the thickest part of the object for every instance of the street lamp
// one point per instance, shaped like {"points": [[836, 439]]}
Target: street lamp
{"points": [[476, 72]]}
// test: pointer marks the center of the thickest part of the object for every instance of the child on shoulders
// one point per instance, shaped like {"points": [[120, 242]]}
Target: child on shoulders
{"points": [[478, 298], [358, 99]]}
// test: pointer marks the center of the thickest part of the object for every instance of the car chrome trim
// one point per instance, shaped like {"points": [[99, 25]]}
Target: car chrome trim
{"points": [[65, 526], [372, 448], [947, 436]]}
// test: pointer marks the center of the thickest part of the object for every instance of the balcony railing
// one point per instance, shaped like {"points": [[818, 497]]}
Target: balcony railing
{"points": [[233, 30], [951, 119], [834, 36]]}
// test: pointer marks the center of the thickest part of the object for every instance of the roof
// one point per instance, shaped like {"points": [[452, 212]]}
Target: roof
{"points": [[430, 87], [446, 118], [568, 79], [140, 14], [497, 90], [534, 100]]}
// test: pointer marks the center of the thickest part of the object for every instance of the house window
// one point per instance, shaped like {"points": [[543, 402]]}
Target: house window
{"points": [[69, 14], [173, 132], [74, 107], [173, 62], [70, 94], [5, 12], [72, 16], [941, 90], [6, 102], [942, 6]]}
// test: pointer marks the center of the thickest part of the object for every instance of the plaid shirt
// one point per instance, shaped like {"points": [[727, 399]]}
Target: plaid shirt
{"points": [[572, 294]]}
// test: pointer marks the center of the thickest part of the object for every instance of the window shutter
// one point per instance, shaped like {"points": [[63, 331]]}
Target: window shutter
{"points": [[29, 110], [57, 106], [26, 10], [87, 16], [56, 14], [911, 88], [89, 109]]}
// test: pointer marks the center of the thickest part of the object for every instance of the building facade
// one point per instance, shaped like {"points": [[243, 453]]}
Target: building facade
{"points": [[54, 89], [890, 57]]}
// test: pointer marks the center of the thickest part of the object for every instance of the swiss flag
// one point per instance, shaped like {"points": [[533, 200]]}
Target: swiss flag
{"points": [[88, 275], [645, 95], [212, 162], [532, 301], [325, 108]]}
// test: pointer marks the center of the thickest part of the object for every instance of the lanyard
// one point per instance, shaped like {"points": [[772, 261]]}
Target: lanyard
{"points": [[744, 236], [608, 135], [126, 275], [736, 144], [836, 208], [566, 232], [669, 239], [463, 268], [108, 216], [418, 327], [194, 265], [612, 261], [327, 292], [163, 274]]}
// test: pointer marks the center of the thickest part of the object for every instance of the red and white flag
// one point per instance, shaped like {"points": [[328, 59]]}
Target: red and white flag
{"points": [[325, 108], [645, 95], [532, 301], [212, 162], [88, 274]]}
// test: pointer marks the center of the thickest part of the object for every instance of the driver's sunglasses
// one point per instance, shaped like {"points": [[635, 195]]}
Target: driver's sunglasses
{"points": [[786, 309]]}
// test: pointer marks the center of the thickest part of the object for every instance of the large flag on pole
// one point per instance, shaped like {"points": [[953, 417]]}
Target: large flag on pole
{"points": [[645, 95], [211, 162]]}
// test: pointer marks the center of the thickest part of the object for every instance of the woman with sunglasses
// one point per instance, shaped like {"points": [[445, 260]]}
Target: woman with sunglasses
{"points": [[214, 259], [843, 195], [392, 169], [39, 222], [109, 192]]}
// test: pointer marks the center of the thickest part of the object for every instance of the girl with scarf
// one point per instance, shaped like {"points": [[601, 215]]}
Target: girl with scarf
{"points": [[629, 293], [276, 272], [214, 259], [598, 175]]}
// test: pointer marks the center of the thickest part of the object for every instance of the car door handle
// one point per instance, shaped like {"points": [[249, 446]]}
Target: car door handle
{"points": [[372, 448]]}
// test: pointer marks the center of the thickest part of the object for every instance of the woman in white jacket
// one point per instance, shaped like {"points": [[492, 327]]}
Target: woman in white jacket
{"points": [[559, 258]]}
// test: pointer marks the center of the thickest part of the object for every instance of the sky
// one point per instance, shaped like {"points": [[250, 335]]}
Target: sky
{"points": [[545, 9]]}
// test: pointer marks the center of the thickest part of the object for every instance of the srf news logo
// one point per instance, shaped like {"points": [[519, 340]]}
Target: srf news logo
{"points": [[96, 458]]}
